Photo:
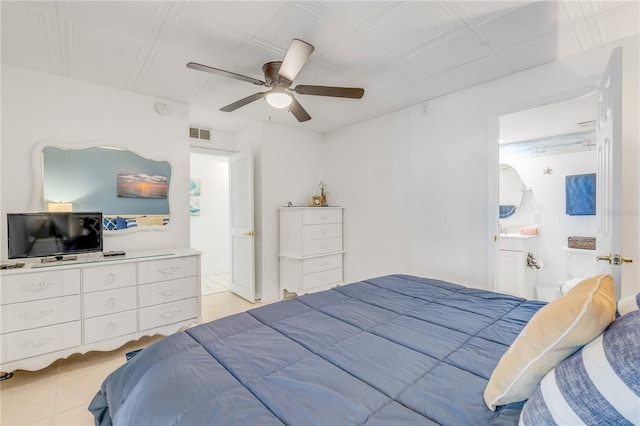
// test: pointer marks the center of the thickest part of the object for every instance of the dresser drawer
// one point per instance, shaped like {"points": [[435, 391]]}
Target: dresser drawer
{"points": [[317, 279], [109, 326], [168, 313], [167, 291], [315, 232], [39, 313], [327, 245], [26, 344], [109, 301], [39, 285], [322, 263], [322, 215], [98, 278], [166, 269]]}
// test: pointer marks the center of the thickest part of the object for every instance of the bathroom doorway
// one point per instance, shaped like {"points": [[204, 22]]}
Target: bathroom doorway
{"points": [[544, 145], [209, 210]]}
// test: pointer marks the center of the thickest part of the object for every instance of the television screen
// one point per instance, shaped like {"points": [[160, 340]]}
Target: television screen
{"points": [[53, 234]]}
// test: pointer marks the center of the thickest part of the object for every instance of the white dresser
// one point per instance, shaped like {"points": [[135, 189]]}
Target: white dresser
{"points": [[49, 312], [310, 249]]}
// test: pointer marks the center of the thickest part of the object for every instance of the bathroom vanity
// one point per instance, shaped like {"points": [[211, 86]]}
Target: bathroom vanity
{"points": [[515, 277]]}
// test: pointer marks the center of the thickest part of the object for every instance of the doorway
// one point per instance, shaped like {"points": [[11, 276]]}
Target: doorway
{"points": [[209, 210], [544, 145]]}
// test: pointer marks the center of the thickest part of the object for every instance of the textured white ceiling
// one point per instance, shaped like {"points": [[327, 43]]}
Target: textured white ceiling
{"points": [[401, 53]]}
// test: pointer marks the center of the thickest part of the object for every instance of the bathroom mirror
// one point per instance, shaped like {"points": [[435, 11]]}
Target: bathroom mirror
{"points": [[130, 190], [510, 190]]}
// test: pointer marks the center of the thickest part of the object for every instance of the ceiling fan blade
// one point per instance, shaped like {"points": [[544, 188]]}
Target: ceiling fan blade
{"points": [[297, 55], [337, 92], [298, 112], [224, 73], [242, 102]]}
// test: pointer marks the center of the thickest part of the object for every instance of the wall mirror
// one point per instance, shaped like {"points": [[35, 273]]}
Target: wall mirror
{"points": [[130, 190], [510, 190]]}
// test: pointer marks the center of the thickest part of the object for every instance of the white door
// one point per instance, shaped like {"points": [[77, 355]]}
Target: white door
{"points": [[609, 177], [241, 219]]}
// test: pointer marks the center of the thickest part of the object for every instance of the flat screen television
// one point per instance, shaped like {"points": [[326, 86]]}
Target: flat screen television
{"points": [[53, 234]]}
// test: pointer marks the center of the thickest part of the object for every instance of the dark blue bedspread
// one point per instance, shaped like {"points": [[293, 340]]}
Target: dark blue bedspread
{"points": [[386, 351]]}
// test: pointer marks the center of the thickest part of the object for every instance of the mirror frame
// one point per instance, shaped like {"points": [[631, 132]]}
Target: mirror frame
{"points": [[501, 168], [37, 165]]}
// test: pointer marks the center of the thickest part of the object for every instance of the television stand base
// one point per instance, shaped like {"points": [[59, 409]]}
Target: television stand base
{"points": [[58, 259]]}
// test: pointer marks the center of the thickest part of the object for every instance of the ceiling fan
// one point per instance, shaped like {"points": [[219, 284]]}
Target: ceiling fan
{"points": [[279, 75]]}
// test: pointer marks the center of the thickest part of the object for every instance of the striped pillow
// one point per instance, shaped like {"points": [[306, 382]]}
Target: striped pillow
{"points": [[598, 385], [628, 304]]}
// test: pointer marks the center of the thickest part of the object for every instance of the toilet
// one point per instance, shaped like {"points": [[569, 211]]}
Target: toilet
{"points": [[580, 264]]}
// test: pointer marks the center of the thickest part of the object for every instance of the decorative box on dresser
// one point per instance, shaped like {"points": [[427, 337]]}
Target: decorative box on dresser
{"points": [[50, 311], [310, 249]]}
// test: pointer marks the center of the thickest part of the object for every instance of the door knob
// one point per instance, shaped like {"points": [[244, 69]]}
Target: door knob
{"points": [[249, 234], [615, 259]]}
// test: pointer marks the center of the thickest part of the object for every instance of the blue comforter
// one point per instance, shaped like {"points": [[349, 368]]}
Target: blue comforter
{"points": [[386, 351]]}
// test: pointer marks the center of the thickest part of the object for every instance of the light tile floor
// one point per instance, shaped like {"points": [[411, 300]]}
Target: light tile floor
{"points": [[215, 284], [60, 393]]}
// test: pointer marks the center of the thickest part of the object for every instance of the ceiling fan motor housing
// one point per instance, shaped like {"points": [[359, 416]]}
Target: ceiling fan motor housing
{"points": [[271, 76]]}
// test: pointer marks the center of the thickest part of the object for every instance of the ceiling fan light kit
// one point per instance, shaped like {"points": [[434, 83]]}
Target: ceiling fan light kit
{"points": [[279, 75], [278, 98]]}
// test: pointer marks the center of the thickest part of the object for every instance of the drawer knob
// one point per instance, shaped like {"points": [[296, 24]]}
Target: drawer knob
{"points": [[111, 328], [37, 343], [110, 278], [110, 303], [170, 314], [169, 292], [36, 287], [36, 316], [169, 270]]}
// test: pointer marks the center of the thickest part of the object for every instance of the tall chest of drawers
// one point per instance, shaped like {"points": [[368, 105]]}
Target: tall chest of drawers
{"points": [[51, 312], [310, 249]]}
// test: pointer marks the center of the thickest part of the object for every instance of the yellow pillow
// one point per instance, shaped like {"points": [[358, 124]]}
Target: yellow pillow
{"points": [[149, 220], [553, 333]]}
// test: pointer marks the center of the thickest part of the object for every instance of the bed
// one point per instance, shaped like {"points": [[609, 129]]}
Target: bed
{"points": [[394, 350]]}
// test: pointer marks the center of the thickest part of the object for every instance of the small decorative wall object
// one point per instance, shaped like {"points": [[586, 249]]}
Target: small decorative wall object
{"points": [[194, 196], [140, 185], [547, 170]]}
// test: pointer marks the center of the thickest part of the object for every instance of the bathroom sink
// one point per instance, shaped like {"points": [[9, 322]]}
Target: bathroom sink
{"points": [[515, 235], [516, 242]]}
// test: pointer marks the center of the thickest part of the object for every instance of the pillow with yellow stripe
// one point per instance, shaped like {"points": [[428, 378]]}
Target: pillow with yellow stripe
{"points": [[554, 333], [598, 385]]}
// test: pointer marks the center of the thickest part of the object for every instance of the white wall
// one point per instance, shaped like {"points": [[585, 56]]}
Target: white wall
{"points": [[451, 177], [547, 202], [287, 167], [367, 173], [220, 139], [210, 229], [37, 107]]}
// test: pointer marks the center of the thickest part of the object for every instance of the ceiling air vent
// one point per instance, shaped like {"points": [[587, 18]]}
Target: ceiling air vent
{"points": [[201, 134]]}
